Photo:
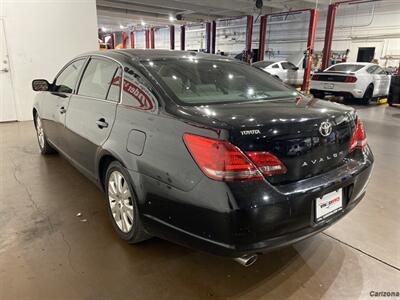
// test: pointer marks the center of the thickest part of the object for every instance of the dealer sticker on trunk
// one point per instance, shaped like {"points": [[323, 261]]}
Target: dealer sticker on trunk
{"points": [[328, 205]]}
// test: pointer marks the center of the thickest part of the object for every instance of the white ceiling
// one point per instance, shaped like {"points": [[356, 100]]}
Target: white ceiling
{"points": [[131, 13]]}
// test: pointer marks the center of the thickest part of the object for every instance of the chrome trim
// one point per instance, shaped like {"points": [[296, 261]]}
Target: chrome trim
{"points": [[246, 260]]}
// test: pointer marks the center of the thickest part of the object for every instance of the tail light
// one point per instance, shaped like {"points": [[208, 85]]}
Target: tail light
{"points": [[220, 160], [267, 163], [359, 139], [350, 79], [316, 77]]}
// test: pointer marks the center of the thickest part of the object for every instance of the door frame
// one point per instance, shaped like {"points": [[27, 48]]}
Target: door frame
{"points": [[10, 68]]}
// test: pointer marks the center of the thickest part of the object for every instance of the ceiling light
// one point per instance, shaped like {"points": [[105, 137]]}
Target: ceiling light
{"points": [[103, 29], [171, 18], [143, 23], [121, 27]]}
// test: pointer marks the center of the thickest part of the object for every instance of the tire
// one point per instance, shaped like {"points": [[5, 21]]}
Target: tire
{"points": [[348, 99], [318, 95], [368, 95], [45, 147], [122, 204]]}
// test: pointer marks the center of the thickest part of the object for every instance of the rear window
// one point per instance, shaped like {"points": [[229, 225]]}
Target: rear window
{"points": [[345, 68], [201, 81]]}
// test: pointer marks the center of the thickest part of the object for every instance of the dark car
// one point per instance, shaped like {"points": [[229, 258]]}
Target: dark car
{"points": [[202, 150]]}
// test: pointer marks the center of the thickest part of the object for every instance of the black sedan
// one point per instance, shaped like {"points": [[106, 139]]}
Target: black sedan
{"points": [[202, 150]]}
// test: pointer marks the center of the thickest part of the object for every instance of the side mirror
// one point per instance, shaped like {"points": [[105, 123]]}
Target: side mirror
{"points": [[40, 85], [295, 69]]}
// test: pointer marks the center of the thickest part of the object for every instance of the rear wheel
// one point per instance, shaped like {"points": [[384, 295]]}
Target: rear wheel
{"points": [[45, 147], [319, 95], [367, 98], [122, 205]]}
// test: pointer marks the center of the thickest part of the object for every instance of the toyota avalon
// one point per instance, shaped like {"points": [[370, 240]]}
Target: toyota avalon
{"points": [[202, 150]]}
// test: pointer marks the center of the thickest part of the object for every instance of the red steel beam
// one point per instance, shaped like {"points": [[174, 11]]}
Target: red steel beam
{"points": [[213, 36], [208, 37], [330, 25], [152, 38], [147, 38], [312, 31], [249, 35], [183, 37], [172, 37], [132, 39], [112, 40], [124, 39], [261, 45]]}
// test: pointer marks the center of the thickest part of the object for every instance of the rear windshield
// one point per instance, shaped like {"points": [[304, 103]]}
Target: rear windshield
{"points": [[201, 81], [345, 68]]}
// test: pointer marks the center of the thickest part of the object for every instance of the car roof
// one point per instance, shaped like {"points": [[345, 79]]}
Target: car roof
{"points": [[144, 54], [355, 63]]}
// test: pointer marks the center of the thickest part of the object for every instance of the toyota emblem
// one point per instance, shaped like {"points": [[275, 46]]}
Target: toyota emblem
{"points": [[325, 129]]}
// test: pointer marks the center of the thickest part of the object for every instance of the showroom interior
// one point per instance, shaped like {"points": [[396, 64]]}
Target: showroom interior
{"points": [[56, 237]]}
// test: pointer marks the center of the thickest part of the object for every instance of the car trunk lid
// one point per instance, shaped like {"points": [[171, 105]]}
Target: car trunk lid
{"points": [[290, 129]]}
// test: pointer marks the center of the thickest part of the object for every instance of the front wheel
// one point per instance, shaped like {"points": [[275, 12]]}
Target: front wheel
{"points": [[122, 205], [45, 147]]}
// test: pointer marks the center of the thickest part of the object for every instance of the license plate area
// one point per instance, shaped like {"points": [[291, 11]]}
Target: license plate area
{"points": [[328, 205], [329, 86]]}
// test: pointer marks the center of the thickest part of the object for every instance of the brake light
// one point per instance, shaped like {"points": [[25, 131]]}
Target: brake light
{"points": [[350, 79], [220, 160], [267, 163], [359, 139], [316, 77]]}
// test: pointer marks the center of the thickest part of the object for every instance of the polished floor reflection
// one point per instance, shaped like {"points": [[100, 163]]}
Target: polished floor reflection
{"points": [[48, 252]]}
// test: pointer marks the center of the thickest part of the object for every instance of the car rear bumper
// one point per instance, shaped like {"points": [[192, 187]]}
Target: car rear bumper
{"points": [[339, 89], [252, 217]]}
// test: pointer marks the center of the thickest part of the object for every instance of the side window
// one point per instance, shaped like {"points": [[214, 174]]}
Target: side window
{"points": [[137, 93], [372, 69], [66, 80], [114, 92], [379, 71], [287, 66], [275, 66], [99, 79]]}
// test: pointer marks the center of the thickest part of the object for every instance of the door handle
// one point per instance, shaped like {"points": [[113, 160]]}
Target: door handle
{"points": [[62, 110], [101, 123], [5, 70]]}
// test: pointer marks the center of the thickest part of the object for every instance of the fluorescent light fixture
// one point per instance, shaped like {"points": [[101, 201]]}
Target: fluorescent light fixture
{"points": [[103, 29]]}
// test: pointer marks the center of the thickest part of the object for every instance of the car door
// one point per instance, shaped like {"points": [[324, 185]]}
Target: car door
{"points": [[290, 71], [91, 111], [384, 81], [54, 103]]}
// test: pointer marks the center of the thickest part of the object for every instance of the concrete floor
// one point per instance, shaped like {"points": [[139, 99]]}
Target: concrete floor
{"points": [[47, 252]]}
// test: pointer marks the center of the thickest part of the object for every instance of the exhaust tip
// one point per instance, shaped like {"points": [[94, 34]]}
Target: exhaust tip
{"points": [[246, 260]]}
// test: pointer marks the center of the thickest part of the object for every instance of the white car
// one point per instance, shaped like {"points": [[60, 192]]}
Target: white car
{"points": [[364, 81], [283, 70]]}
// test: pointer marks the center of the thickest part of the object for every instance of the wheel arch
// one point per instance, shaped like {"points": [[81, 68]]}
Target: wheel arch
{"points": [[105, 158]]}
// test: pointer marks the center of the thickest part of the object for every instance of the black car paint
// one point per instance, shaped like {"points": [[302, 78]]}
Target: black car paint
{"points": [[175, 199]]}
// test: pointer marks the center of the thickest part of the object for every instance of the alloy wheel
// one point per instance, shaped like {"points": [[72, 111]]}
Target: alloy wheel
{"points": [[120, 200]]}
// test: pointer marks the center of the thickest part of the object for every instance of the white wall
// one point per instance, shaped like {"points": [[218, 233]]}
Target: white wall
{"points": [[41, 37]]}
